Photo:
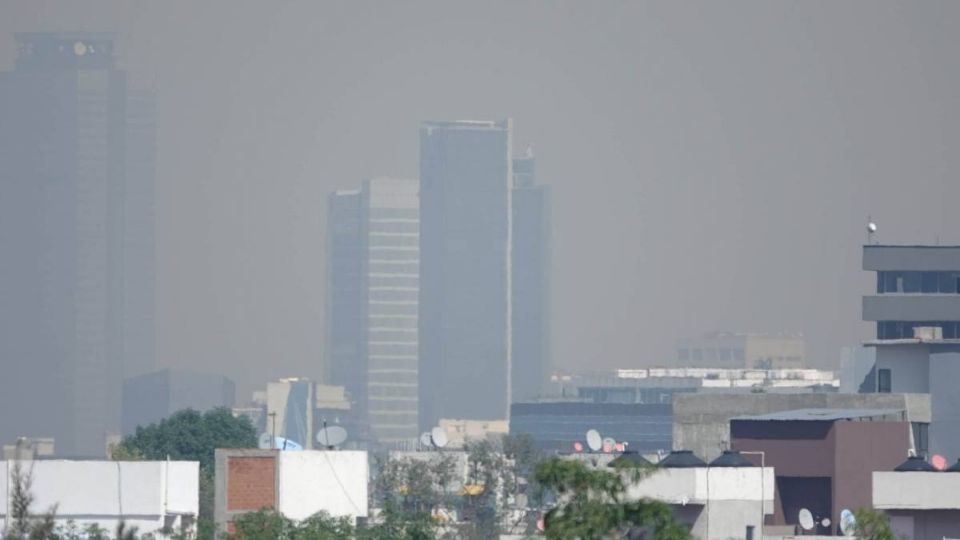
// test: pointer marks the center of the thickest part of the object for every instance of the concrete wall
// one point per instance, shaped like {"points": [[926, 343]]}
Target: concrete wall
{"points": [[718, 503], [296, 483], [334, 482], [142, 494], [945, 402], [701, 422], [916, 490], [911, 307], [925, 524], [931, 258], [909, 367]]}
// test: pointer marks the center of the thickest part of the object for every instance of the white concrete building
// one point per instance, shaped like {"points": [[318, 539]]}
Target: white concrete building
{"points": [[148, 495], [716, 502], [921, 505], [298, 484]]}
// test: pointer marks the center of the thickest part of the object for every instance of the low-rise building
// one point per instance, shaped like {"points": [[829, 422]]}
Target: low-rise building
{"points": [[149, 495], [921, 505], [715, 502], [701, 422], [824, 458], [742, 350], [298, 484], [460, 431]]}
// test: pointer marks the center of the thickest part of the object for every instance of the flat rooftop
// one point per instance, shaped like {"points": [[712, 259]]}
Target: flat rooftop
{"points": [[820, 415]]}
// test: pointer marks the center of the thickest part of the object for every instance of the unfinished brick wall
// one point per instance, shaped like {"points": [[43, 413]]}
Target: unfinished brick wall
{"points": [[251, 482]]}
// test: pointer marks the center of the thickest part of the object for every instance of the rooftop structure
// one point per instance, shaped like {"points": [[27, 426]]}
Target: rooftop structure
{"points": [[921, 505], [298, 484], [148, 495], [823, 462]]}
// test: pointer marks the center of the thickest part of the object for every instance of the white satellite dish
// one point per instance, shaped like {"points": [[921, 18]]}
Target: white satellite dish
{"points": [[594, 441], [848, 522], [265, 442], [806, 519], [425, 439], [331, 436], [438, 437], [871, 227], [825, 522]]}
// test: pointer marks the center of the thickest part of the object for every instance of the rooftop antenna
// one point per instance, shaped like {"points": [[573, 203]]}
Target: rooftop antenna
{"points": [[438, 436], [331, 436], [425, 441], [848, 522], [594, 440], [871, 231], [806, 519]]}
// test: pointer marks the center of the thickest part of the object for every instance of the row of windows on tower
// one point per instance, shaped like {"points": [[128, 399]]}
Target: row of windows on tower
{"points": [[918, 282]]}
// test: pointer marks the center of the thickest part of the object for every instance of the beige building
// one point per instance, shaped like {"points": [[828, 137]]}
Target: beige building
{"points": [[751, 351], [461, 431]]}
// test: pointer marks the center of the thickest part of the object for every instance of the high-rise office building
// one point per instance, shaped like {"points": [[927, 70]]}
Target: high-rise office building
{"points": [[465, 249], [530, 281], [76, 239], [374, 286]]}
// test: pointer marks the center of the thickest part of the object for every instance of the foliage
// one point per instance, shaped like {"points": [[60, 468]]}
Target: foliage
{"points": [[268, 524], [591, 504], [873, 525], [193, 436], [23, 524], [189, 435]]}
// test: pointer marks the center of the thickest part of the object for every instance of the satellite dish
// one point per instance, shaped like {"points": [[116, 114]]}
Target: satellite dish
{"points": [[871, 227], [939, 462], [578, 447], [594, 441], [265, 442], [439, 437], [425, 439], [806, 519], [331, 436], [609, 444], [825, 522], [280, 443], [848, 522]]}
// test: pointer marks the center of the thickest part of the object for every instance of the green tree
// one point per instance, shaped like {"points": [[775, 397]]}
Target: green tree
{"points": [[192, 436], [189, 435], [873, 525], [591, 503]]}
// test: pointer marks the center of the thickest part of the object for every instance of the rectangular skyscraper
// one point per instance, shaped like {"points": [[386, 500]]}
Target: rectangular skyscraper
{"points": [[374, 287], [530, 281], [465, 237], [76, 240]]}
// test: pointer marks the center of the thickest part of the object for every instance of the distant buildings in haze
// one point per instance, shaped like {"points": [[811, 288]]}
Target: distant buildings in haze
{"points": [[76, 239], [438, 291], [742, 351]]}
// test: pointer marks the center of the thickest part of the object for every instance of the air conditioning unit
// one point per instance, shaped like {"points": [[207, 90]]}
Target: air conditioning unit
{"points": [[928, 333]]}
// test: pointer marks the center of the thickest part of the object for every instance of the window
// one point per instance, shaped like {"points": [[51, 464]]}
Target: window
{"points": [[884, 381], [921, 438], [928, 282]]}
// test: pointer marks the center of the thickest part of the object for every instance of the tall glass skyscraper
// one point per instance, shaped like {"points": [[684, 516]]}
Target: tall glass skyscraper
{"points": [[530, 281], [76, 240], [373, 311], [465, 249]]}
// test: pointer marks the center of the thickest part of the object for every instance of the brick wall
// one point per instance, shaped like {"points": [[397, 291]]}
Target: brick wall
{"points": [[251, 482]]}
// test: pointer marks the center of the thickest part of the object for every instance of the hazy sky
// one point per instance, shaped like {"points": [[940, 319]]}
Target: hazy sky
{"points": [[712, 164]]}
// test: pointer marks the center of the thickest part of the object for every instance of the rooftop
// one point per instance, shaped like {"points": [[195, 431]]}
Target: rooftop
{"points": [[820, 415]]}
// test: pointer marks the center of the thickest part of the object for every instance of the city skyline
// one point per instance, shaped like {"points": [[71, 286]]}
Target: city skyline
{"points": [[693, 172]]}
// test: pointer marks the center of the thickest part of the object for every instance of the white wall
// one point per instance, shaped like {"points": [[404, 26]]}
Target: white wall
{"points": [[311, 481], [728, 498], [106, 492], [916, 490]]}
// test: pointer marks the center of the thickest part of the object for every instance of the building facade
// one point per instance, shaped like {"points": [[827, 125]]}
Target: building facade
{"points": [[154, 396], [150, 496], [916, 309], [530, 281], [373, 312], [739, 351], [465, 252], [76, 239]]}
